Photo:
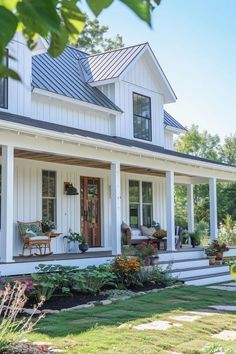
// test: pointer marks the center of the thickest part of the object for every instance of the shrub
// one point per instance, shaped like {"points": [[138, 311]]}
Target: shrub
{"points": [[92, 279], [227, 231], [126, 270]]}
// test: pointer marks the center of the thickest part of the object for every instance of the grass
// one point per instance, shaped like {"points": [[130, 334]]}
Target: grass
{"points": [[95, 330]]}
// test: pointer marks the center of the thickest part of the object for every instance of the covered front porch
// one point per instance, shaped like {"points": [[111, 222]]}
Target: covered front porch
{"points": [[22, 199]]}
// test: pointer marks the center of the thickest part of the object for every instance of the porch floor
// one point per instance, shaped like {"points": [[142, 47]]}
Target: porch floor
{"points": [[63, 256]]}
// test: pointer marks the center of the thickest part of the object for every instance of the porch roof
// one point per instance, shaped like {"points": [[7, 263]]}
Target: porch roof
{"points": [[47, 126]]}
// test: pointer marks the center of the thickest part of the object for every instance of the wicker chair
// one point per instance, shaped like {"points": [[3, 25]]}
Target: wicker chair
{"points": [[34, 238]]}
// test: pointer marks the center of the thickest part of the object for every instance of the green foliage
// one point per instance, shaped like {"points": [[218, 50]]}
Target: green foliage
{"points": [[92, 38], [116, 293], [127, 271], [227, 231], [58, 21], [92, 280], [50, 279], [205, 145]]}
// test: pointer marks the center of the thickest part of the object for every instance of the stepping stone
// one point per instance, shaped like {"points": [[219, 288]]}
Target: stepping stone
{"points": [[219, 287], [202, 313], [157, 325], [225, 335], [230, 284], [185, 318], [224, 308]]}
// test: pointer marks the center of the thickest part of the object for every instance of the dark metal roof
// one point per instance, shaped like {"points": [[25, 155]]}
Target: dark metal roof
{"points": [[109, 65], [112, 139], [63, 75], [172, 122]]}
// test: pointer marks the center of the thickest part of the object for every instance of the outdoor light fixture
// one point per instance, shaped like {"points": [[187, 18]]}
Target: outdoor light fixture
{"points": [[70, 189]]}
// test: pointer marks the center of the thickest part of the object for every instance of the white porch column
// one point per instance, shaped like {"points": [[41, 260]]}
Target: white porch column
{"points": [[213, 208], [190, 204], [115, 208], [6, 243], [170, 210]]}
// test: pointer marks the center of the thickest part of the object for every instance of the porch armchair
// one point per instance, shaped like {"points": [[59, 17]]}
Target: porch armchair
{"points": [[33, 238]]}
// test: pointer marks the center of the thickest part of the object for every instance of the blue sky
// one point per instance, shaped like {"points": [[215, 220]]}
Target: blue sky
{"points": [[195, 43]]}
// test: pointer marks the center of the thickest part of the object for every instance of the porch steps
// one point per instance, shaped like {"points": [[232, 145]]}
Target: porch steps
{"points": [[187, 273], [192, 267], [184, 263], [209, 279]]}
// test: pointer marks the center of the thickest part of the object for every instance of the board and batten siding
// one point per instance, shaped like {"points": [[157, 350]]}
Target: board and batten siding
{"points": [[168, 140], [57, 111], [19, 93], [139, 79], [28, 199]]}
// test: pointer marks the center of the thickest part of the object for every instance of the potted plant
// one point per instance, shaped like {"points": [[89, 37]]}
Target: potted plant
{"points": [[83, 245], [195, 238], [73, 240], [220, 249], [160, 234], [48, 225], [145, 252], [211, 253]]}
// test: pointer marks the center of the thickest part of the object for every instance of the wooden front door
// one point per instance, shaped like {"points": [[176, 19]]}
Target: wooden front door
{"points": [[90, 210]]}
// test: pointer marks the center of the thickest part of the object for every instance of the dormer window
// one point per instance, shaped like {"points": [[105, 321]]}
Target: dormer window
{"points": [[142, 117], [4, 88]]}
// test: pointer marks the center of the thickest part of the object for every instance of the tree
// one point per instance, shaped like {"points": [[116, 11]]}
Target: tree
{"points": [[58, 21], [203, 144], [228, 152], [92, 38]]}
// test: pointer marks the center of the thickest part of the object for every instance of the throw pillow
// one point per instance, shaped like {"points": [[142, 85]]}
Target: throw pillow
{"points": [[147, 231]]}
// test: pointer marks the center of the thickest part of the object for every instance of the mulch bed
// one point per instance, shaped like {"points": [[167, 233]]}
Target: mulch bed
{"points": [[25, 348], [59, 302]]}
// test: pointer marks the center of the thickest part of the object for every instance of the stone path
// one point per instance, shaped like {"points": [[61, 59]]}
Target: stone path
{"points": [[157, 325], [225, 335], [224, 286]]}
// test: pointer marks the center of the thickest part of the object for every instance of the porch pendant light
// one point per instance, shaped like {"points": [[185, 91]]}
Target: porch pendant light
{"points": [[71, 190]]}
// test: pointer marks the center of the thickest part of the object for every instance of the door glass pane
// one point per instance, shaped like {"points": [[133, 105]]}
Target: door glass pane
{"points": [[147, 215], [134, 216], [134, 191], [147, 192]]}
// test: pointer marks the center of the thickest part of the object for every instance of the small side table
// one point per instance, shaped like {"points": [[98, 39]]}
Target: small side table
{"points": [[54, 234]]}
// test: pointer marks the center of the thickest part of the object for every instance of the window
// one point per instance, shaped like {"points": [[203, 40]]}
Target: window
{"points": [[142, 117], [4, 88], [0, 196], [49, 195], [140, 204]]}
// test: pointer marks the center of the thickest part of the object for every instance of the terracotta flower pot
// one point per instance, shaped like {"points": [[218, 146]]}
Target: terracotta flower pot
{"points": [[219, 256]]}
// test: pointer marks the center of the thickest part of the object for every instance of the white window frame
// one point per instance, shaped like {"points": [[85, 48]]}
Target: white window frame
{"points": [[50, 198]]}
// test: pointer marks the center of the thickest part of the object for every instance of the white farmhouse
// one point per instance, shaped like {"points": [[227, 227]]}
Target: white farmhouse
{"points": [[97, 122]]}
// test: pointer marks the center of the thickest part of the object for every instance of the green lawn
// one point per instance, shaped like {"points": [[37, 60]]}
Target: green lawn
{"points": [[95, 330]]}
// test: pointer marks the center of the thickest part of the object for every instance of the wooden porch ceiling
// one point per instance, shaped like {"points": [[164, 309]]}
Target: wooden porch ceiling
{"points": [[47, 157]]}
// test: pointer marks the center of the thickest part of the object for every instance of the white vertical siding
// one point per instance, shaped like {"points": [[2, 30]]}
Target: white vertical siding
{"points": [[169, 140], [108, 90], [139, 79], [53, 110], [28, 199], [19, 93]]}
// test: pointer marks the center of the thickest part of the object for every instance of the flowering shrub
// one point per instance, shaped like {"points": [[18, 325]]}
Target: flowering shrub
{"points": [[160, 234], [126, 270], [144, 249]]}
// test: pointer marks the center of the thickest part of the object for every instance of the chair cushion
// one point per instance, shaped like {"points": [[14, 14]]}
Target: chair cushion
{"points": [[30, 228], [39, 238], [124, 226], [147, 231]]}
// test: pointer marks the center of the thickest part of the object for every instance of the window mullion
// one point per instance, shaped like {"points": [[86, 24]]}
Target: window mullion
{"points": [[141, 202]]}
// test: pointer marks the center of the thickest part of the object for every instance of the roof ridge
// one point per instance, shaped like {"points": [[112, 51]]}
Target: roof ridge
{"points": [[114, 50]]}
